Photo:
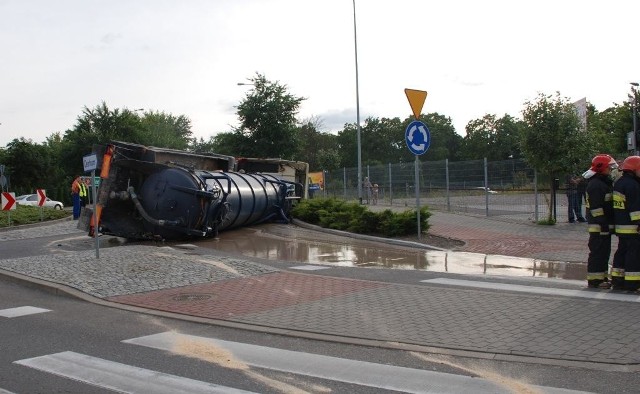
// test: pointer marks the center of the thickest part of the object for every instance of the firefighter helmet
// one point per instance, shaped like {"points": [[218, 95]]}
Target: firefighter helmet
{"points": [[631, 163], [601, 162]]}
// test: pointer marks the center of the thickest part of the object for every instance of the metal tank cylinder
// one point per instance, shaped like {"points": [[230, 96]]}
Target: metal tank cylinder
{"points": [[175, 202], [251, 198]]}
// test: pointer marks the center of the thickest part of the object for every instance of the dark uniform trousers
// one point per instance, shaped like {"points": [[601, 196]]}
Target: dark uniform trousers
{"points": [[625, 273], [598, 260]]}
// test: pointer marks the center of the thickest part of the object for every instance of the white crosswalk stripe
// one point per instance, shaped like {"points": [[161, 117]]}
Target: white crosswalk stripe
{"points": [[592, 294], [22, 311], [131, 379], [120, 377], [332, 368]]}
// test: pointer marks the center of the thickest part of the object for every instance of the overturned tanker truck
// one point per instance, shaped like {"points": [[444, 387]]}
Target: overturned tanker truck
{"points": [[165, 194]]}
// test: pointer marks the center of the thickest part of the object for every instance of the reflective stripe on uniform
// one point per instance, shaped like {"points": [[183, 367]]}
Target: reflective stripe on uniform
{"points": [[608, 197], [635, 216], [632, 276], [626, 229], [597, 229], [596, 275], [597, 212], [617, 272]]}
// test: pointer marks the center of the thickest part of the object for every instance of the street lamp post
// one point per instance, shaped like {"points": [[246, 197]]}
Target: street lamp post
{"points": [[355, 41]]}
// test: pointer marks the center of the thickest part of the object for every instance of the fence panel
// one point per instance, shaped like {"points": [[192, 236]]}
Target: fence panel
{"points": [[512, 188]]}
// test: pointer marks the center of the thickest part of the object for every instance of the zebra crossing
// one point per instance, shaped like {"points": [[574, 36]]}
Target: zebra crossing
{"points": [[21, 311], [107, 374]]}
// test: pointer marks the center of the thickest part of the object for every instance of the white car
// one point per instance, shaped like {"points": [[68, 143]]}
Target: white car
{"points": [[488, 190], [32, 199]]}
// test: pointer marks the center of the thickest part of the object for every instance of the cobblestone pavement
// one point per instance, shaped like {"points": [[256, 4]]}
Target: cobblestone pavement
{"points": [[494, 322]]}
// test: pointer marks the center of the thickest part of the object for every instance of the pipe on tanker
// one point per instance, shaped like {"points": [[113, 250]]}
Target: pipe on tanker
{"points": [[146, 216]]}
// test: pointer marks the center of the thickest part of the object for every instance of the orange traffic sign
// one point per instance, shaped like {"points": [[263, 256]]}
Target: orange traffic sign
{"points": [[416, 100]]}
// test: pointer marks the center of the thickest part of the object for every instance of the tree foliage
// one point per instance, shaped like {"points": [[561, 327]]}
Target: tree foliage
{"points": [[552, 140], [493, 138], [267, 117]]}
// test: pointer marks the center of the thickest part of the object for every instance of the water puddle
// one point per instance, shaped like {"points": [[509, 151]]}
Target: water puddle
{"points": [[279, 242]]}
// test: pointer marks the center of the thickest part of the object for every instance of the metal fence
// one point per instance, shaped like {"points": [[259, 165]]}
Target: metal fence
{"points": [[500, 188]]}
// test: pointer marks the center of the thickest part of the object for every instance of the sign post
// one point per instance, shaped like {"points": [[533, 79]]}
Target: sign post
{"points": [[90, 163], [418, 140]]}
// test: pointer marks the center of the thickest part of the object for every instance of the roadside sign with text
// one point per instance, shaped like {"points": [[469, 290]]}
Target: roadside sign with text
{"points": [[8, 201], [90, 162]]}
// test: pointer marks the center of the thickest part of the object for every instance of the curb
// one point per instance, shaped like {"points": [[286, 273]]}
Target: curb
{"points": [[397, 242]]}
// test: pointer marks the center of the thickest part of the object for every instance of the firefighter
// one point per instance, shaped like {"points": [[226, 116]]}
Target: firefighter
{"points": [[599, 212], [625, 273]]}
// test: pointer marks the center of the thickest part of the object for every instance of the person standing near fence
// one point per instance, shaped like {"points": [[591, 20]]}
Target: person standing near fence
{"points": [[367, 188], [574, 203], [625, 273], [600, 218], [374, 193]]}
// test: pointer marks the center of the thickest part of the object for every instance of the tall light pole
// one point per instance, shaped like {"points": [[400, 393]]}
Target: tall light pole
{"points": [[355, 42], [635, 129]]}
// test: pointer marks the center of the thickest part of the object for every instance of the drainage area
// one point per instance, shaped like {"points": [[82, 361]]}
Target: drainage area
{"points": [[277, 242]]}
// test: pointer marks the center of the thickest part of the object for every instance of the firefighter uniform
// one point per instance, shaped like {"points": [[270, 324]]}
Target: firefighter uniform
{"points": [[625, 273], [600, 219]]}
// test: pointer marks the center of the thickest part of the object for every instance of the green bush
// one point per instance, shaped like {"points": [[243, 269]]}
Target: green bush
{"points": [[353, 217], [27, 214]]}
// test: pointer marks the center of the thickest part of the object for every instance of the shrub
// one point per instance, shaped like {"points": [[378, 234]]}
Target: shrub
{"points": [[27, 214], [356, 218]]}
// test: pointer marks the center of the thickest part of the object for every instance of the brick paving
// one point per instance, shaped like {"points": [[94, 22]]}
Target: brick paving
{"points": [[246, 291]]}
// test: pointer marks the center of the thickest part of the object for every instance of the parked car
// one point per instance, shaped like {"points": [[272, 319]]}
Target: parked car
{"points": [[488, 190], [32, 199]]}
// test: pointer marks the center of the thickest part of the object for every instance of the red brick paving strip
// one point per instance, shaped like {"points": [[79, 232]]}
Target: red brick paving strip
{"points": [[226, 299]]}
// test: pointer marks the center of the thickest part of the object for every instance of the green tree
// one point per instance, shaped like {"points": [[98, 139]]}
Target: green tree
{"points": [[165, 130], [493, 138], [553, 141], [31, 166], [268, 120], [315, 147], [609, 128], [230, 143]]}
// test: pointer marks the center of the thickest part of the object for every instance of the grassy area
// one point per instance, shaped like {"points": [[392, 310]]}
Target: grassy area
{"points": [[26, 214]]}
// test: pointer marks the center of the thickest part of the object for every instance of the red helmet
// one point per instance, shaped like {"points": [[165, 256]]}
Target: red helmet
{"points": [[631, 163], [601, 162]]}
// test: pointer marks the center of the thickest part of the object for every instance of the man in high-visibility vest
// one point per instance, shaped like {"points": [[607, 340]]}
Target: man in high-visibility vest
{"points": [[78, 191]]}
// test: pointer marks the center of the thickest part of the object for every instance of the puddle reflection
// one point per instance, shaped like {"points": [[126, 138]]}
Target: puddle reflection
{"points": [[294, 244]]}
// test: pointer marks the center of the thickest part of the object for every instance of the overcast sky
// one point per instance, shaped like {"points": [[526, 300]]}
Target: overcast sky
{"points": [[185, 57]]}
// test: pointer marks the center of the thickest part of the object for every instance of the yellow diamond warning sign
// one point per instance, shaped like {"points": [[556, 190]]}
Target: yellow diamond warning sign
{"points": [[416, 100]]}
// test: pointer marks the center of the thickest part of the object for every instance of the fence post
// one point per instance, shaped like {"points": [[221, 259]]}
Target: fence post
{"points": [[486, 188], [344, 181], [390, 187], [446, 176], [535, 193]]}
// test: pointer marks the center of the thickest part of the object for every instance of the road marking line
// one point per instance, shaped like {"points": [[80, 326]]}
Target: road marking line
{"points": [[119, 377], [333, 368], [309, 267], [22, 311], [592, 294]]}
